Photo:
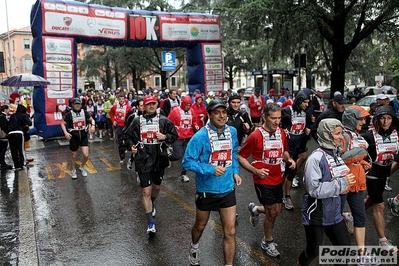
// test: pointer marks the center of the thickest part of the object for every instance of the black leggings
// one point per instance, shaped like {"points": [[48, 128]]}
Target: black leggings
{"points": [[337, 234], [16, 141]]}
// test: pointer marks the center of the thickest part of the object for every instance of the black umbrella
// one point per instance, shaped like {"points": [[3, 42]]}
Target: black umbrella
{"points": [[25, 80]]}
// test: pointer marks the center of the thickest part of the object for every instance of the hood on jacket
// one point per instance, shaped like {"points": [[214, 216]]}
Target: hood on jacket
{"points": [[324, 133], [352, 115], [21, 109], [300, 97], [197, 97], [186, 100]]}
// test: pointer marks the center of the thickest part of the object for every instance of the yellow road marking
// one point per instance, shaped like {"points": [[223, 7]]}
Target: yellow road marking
{"points": [[49, 171], [109, 152], [110, 167], [256, 253], [89, 167], [64, 169]]}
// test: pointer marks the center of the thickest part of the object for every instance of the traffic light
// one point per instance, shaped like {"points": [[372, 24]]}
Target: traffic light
{"points": [[302, 61]]}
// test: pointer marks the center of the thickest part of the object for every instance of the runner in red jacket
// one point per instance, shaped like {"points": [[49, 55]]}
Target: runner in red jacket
{"points": [[182, 118], [118, 114]]}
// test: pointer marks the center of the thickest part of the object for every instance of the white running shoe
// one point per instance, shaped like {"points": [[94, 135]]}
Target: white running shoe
{"points": [[387, 187], [288, 203], [129, 164], [254, 218], [270, 248], [193, 257], [295, 181], [184, 178], [394, 208], [83, 171], [73, 174], [151, 229], [348, 221], [387, 245]]}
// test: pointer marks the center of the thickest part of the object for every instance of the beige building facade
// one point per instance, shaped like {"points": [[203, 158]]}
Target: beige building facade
{"points": [[16, 46]]}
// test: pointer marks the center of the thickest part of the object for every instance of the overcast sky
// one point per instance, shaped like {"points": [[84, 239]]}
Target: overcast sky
{"points": [[18, 14]]}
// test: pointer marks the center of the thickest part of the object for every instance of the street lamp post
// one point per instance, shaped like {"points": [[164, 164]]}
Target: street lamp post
{"points": [[267, 30]]}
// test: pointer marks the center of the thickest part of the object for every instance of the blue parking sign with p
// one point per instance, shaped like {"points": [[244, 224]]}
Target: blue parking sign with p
{"points": [[168, 61]]}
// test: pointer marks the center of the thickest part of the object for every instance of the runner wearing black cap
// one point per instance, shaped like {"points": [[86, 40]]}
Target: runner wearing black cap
{"points": [[77, 123]]}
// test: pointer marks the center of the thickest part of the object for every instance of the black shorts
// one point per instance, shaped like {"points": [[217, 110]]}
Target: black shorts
{"points": [[269, 195], [375, 189], [214, 202], [255, 119], [75, 143], [147, 179]]}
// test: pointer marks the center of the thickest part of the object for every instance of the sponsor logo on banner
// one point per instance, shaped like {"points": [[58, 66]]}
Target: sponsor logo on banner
{"points": [[53, 86], [213, 66], [52, 75], [58, 46], [185, 32], [101, 25], [66, 87], [212, 50], [194, 31], [66, 75], [53, 81], [66, 81], [143, 27], [67, 21], [53, 58], [52, 94], [59, 67], [91, 22]]}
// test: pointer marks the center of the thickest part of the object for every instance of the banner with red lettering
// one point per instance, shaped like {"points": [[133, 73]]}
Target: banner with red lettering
{"points": [[58, 25]]}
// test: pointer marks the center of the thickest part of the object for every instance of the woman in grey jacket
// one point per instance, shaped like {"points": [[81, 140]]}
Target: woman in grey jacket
{"points": [[326, 176]]}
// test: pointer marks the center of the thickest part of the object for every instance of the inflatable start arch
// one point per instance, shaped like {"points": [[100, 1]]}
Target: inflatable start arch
{"points": [[57, 26]]}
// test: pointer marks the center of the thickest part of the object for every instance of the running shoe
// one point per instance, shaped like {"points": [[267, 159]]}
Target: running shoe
{"points": [[348, 221], [83, 171], [387, 245], [137, 178], [184, 178], [270, 248], [73, 174], [129, 164], [254, 218], [394, 208], [151, 229], [122, 161], [154, 211], [295, 181], [387, 187], [193, 257], [288, 203]]}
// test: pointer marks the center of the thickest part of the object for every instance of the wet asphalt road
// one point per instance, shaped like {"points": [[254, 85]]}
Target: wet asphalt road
{"points": [[46, 218]]}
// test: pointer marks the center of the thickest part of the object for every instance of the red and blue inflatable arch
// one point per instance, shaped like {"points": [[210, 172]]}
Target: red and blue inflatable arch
{"points": [[57, 26]]}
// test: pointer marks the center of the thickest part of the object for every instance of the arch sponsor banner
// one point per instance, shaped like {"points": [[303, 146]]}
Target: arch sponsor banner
{"points": [[213, 67], [57, 26]]}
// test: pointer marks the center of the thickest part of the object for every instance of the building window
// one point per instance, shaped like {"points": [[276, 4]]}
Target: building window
{"points": [[238, 84], [28, 64], [173, 82], [26, 44], [13, 45], [157, 81]]}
